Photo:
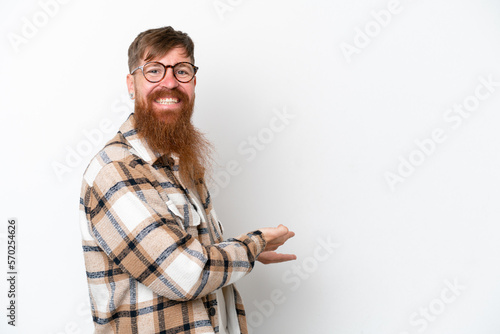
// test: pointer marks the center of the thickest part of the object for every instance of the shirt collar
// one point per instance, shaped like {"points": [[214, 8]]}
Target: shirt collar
{"points": [[139, 144]]}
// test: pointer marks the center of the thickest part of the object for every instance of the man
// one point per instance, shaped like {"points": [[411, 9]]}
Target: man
{"points": [[154, 253]]}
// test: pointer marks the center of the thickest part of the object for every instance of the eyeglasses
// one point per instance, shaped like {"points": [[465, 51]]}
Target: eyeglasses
{"points": [[155, 71]]}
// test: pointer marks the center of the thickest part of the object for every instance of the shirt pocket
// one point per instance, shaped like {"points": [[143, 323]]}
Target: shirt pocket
{"points": [[217, 223], [182, 210]]}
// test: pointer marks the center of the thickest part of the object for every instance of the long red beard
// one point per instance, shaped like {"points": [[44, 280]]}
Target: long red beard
{"points": [[171, 133]]}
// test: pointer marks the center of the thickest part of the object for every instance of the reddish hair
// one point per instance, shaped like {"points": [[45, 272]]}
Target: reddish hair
{"points": [[155, 43]]}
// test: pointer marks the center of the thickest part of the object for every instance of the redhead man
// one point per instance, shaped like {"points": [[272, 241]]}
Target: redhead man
{"points": [[154, 252]]}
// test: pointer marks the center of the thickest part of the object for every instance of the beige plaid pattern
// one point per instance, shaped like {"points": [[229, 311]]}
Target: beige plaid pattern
{"points": [[153, 261]]}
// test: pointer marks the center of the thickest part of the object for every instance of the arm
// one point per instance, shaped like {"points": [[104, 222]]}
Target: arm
{"points": [[131, 223]]}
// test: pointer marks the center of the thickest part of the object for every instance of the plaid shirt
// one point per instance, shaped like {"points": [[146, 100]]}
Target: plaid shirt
{"points": [[153, 261]]}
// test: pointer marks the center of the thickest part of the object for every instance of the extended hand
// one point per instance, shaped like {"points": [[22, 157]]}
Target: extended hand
{"points": [[275, 237]]}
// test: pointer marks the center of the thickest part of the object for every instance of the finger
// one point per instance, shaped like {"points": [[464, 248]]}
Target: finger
{"points": [[281, 231], [283, 257], [272, 257], [275, 233]]}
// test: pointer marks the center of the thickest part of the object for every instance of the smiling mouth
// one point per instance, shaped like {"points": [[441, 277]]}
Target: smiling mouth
{"points": [[167, 101]]}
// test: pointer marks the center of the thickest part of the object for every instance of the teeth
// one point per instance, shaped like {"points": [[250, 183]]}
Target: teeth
{"points": [[168, 101]]}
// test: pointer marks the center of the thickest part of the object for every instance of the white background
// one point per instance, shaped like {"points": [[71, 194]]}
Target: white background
{"points": [[324, 174]]}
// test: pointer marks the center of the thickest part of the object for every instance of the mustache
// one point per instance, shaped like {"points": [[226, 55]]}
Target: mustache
{"points": [[163, 92]]}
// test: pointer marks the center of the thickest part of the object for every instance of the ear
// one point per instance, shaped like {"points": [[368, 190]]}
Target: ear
{"points": [[194, 81], [130, 84]]}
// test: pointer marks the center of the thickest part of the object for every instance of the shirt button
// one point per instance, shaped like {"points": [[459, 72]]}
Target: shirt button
{"points": [[211, 311]]}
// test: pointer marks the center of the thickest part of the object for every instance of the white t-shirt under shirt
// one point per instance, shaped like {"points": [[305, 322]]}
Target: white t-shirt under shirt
{"points": [[226, 308], [222, 312]]}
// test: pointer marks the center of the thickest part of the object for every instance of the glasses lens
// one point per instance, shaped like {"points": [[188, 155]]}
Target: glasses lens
{"points": [[154, 72], [184, 72]]}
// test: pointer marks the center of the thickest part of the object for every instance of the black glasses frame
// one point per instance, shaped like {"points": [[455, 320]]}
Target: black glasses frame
{"points": [[165, 71]]}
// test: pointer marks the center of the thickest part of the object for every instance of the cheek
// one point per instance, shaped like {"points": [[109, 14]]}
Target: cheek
{"points": [[144, 93], [143, 89], [190, 92]]}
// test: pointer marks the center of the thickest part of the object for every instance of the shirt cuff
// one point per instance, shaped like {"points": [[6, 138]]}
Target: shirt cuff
{"points": [[254, 242]]}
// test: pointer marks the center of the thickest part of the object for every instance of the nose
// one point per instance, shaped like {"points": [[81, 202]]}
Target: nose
{"points": [[169, 81]]}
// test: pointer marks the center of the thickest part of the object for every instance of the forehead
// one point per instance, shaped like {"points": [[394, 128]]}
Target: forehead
{"points": [[176, 54]]}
